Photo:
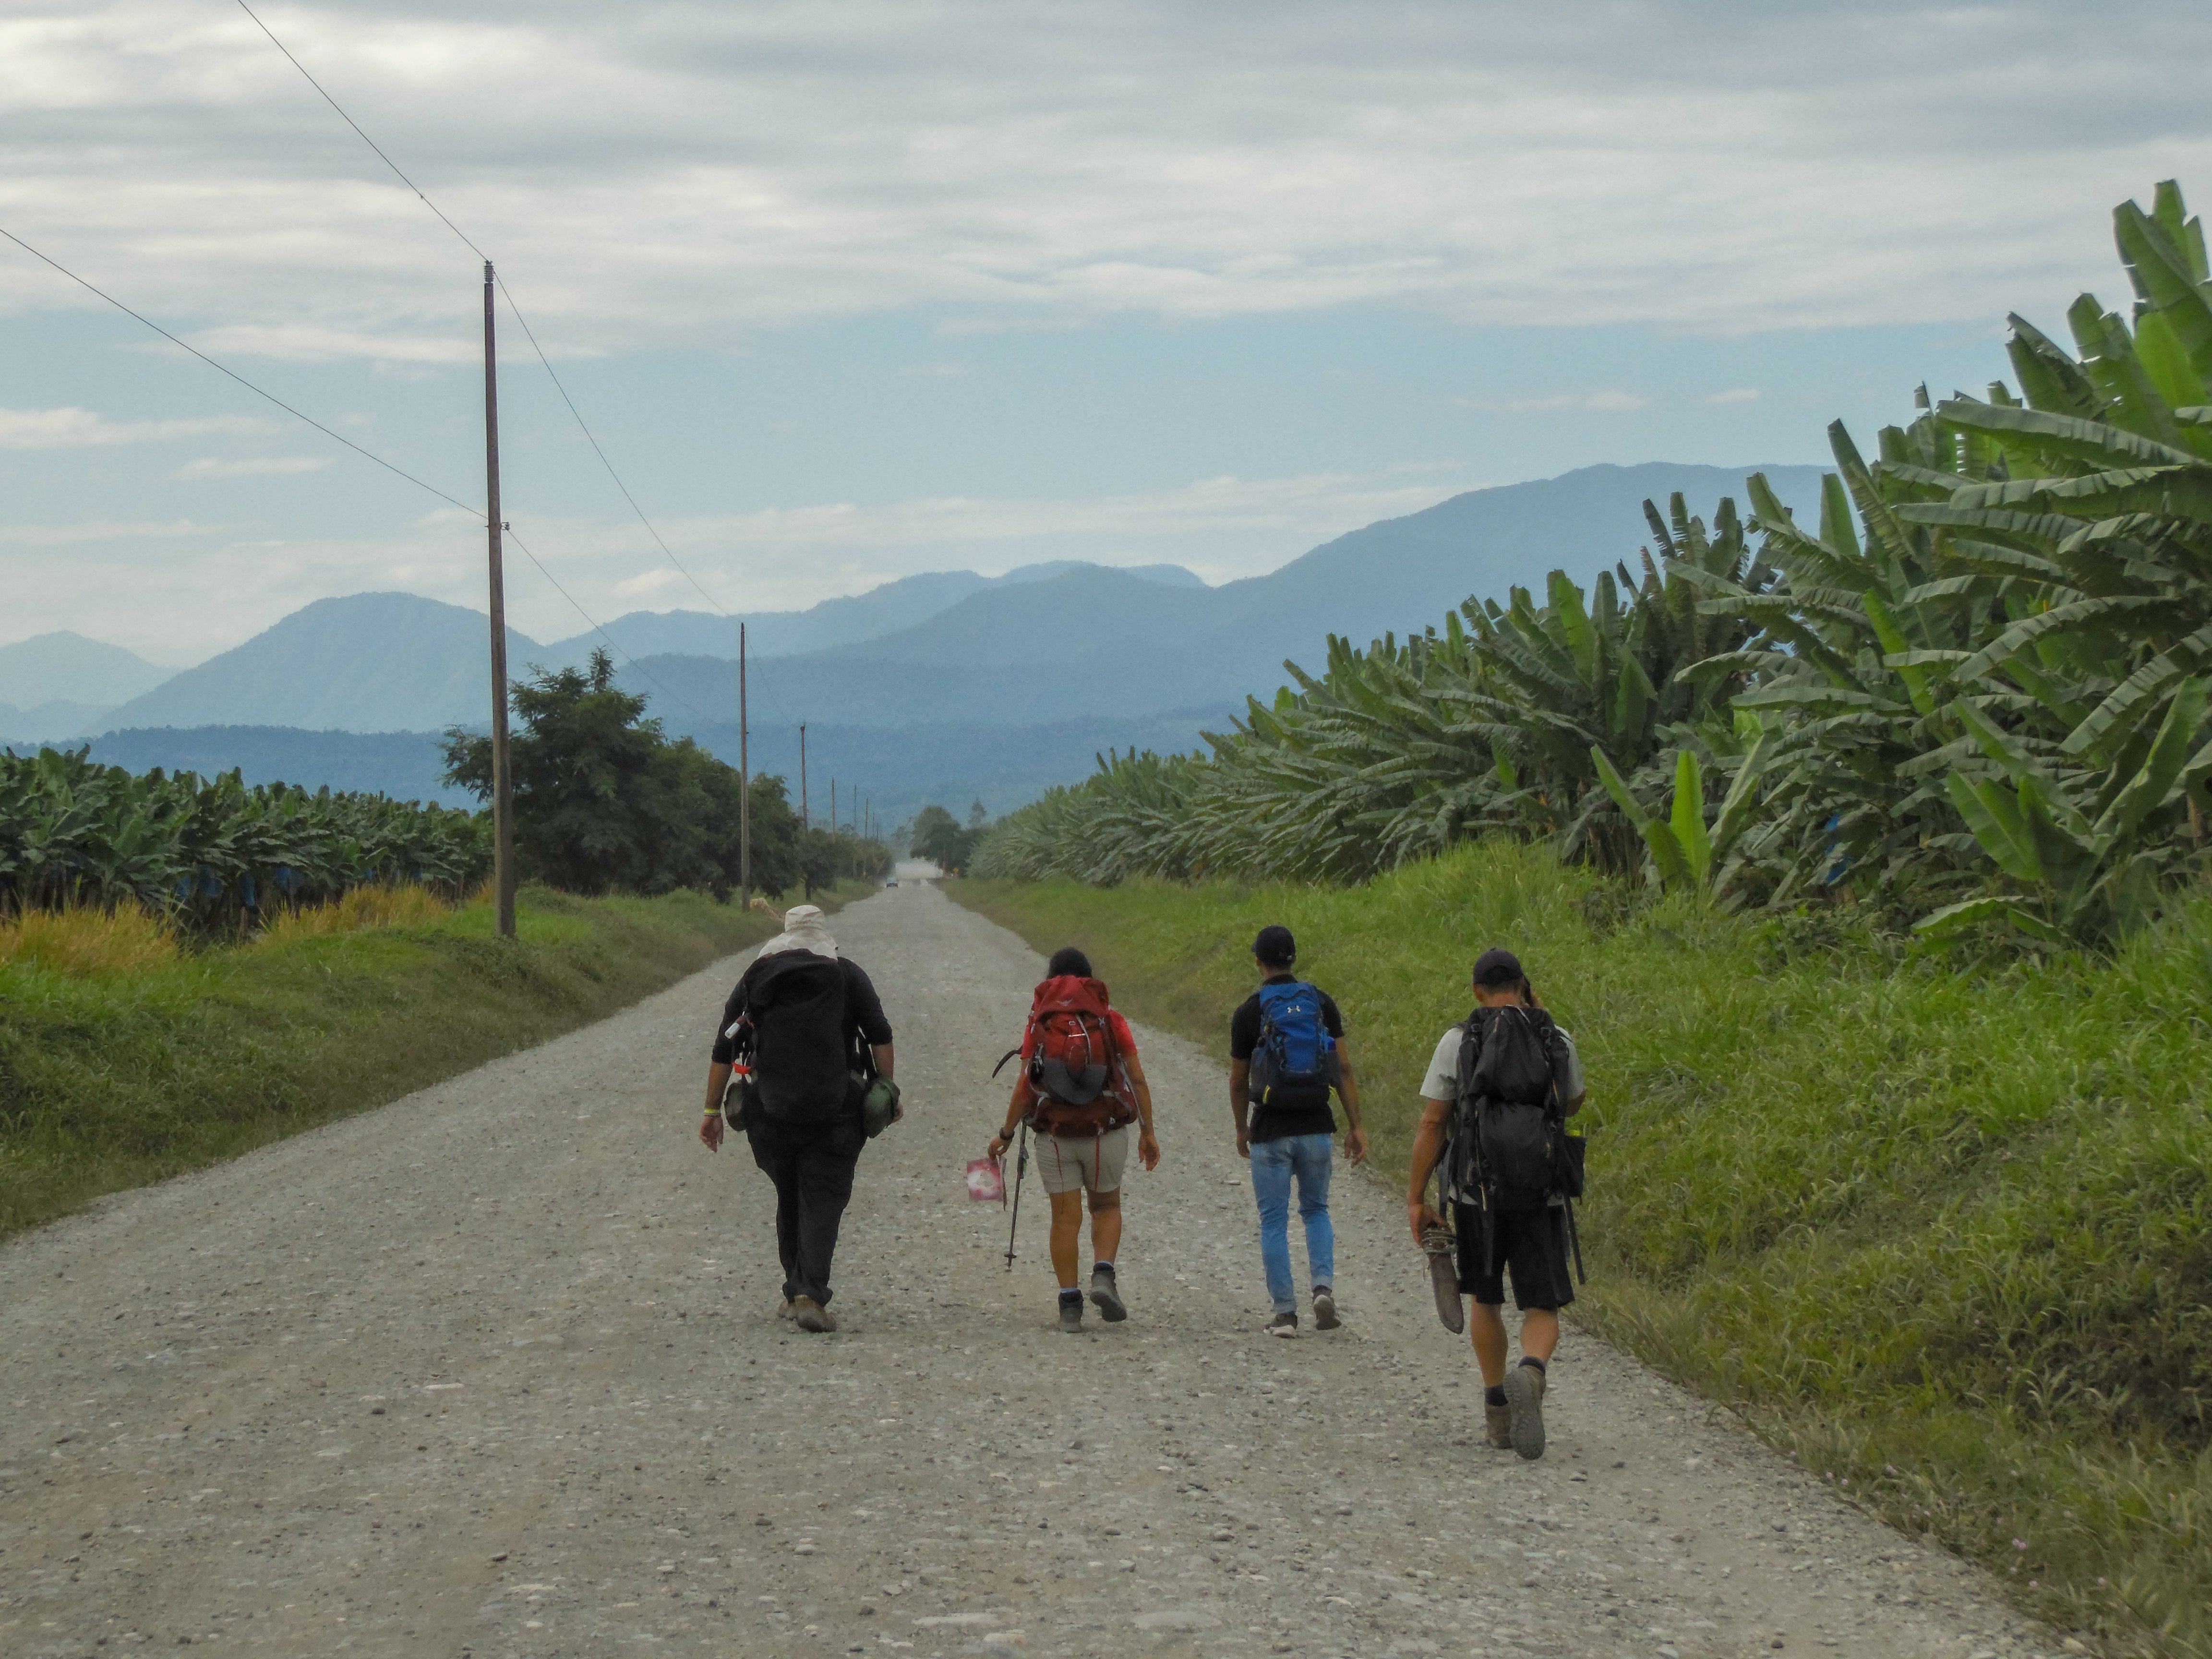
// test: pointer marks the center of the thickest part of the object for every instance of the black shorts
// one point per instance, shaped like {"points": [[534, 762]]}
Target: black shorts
{"points": [[1532, 1242]]}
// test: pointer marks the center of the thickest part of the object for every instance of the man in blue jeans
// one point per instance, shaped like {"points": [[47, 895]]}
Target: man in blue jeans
{"points": [[1284, 1124]]}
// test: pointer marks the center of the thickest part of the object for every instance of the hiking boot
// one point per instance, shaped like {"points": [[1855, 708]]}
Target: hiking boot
{"points": [[1443, 1280], [788, 1308], [811, 1315], [1524, 1399], [1325, 1317], [1107, 1298], [1497, 1426], [1071, 1314], [1283, 1324]]}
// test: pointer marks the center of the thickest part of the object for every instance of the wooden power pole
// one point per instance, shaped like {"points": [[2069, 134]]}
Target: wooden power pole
{"points": [[502, 780], [745, 780]]}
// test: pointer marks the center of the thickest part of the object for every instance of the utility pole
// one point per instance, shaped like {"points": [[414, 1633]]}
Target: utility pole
{"points": [[502, 780], [833, 803], [744, 782], [805, 822]]}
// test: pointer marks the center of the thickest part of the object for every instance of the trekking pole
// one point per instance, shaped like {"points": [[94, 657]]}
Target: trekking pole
{"points": [[1575, 1241], [1021, 1169]]}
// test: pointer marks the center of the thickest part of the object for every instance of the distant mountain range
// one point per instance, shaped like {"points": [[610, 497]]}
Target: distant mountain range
{"points": [[1095, 640], [1008, 683], [57, 683], [880, 610]]}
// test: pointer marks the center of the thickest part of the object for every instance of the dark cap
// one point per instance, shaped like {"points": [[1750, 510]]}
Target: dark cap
{"points": [[1495, 968], [1275, 947]]}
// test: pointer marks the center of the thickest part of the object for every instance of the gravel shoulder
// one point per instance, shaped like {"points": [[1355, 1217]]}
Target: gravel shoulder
{"points": [[496, 1371]]}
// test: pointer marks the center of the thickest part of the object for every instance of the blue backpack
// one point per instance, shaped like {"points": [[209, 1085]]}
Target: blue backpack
{"points": [[1296, 1050]]}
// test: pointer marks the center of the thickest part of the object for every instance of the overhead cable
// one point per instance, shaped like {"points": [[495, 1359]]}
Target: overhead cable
{"points": [[367, 454], [528, 332], [365, 138], [399, 471]]}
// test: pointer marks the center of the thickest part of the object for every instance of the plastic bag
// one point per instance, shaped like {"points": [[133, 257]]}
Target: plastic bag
{"points": [[987, 1182]]}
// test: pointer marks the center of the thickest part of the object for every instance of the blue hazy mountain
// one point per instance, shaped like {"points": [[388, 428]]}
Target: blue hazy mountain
{"points": [[1095, 640], [369, 662], [58, 682], [906, 603]]}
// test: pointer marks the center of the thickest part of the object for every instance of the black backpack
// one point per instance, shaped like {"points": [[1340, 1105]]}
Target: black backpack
{"points": [[802, 1063], [1509, 1132]]}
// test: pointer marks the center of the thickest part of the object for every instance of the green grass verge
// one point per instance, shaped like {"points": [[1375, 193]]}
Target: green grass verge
{"points": [[117, 1080], [1938, 1231]]}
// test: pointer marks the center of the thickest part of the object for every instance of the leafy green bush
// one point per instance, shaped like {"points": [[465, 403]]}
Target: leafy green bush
{"points": [[605, 802]]}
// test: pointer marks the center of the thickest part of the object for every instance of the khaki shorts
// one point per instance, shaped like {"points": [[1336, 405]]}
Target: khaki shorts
{"points": [[1093, 1162]]}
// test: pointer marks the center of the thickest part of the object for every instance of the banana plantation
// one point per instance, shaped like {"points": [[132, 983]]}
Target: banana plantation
{"points": [[1974, 694], [208, 852]]}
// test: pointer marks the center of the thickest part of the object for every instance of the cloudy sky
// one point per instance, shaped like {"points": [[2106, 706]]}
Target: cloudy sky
{"points": [[849, 291]]}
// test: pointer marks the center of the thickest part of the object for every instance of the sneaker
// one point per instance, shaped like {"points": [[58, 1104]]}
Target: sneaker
{"points": [[811, 1315], [1071, 1314], [1325, 1317], [1283, 1324], [1524, 1398], [1443, 1280], [1497, 1426], [1106, 1297]]}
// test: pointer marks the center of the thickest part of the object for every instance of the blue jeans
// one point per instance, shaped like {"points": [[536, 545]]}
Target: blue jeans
{"points": [[1273, 1163]]}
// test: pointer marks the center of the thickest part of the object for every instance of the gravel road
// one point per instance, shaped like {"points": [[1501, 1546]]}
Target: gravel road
{"points": [[496, 1371]]}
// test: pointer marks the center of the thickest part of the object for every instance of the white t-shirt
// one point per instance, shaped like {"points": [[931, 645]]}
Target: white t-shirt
{"points": [[1442, 1081]]}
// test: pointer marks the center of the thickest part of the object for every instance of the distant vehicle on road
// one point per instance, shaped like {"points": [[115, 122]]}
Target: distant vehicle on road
{"points": [[893, 882]]}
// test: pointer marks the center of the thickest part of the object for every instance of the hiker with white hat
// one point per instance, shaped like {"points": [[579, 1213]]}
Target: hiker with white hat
{"points": [[808, 1027]]}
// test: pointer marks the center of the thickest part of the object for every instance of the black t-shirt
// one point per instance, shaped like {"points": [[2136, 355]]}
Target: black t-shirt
{"points": [[1303, 1111], [863, 1008]]}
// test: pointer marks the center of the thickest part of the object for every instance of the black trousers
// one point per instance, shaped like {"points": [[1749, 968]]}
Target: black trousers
{"points": [[812, 1164]]}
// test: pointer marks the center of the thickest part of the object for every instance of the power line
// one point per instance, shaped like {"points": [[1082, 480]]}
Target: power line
{"points": [[365, 138], [529, 333], [399, 471], [367, 454], [508, 530]]}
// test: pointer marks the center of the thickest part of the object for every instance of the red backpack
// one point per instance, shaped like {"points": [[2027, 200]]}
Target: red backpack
{"points": [[1075, 1069]]}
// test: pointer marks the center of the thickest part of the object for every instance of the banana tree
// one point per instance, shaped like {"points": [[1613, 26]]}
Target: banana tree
{"points": [[2091, 863], [1686, 854]]}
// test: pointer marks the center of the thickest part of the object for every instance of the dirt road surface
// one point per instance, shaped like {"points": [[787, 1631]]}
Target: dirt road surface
{"points": [[495, 1371]]}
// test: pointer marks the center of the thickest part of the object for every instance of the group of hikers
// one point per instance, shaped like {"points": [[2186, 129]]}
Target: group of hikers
{"points": [[804, 1040]]}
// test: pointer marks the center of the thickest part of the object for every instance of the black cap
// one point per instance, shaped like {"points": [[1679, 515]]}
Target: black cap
{"points": [[1496, 967], [1275, 947]]}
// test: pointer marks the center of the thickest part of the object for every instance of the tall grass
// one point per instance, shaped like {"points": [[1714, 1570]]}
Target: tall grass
{"points": [[358, 911], [1940, 1229], [86, 942], [124, 1061]]}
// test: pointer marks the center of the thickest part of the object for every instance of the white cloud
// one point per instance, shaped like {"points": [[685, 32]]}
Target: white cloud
{"points": [[1742, 394], [682, 174], [266, 467], [81, 428]]}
